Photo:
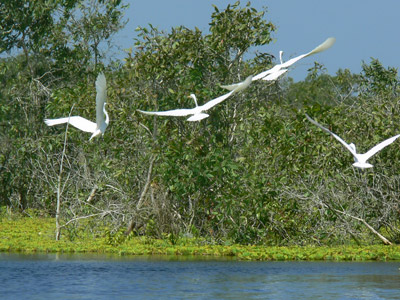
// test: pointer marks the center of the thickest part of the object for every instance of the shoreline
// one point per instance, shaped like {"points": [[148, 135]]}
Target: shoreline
{"points": [[37, 235]]}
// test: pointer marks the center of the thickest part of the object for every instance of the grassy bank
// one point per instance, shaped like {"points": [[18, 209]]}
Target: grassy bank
{"points": [[37, 235]]}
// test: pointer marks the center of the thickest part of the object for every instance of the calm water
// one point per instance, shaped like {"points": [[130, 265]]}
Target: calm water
{"points": [[99, 277]]}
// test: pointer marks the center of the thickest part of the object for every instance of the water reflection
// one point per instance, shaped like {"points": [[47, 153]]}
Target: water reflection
{"points": [[51, 276]]}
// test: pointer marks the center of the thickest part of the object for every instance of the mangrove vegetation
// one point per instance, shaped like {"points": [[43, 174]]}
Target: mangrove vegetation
{"points": [[255, 172]]}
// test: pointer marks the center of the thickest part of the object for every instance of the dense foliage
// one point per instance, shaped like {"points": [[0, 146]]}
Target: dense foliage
{"points": [[254, 172]]}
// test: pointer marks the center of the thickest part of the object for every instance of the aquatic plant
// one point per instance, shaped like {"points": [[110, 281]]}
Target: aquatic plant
{"points": [[23, 234]]}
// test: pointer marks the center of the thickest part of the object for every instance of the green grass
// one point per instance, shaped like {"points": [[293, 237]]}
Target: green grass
{"points": [[37, 235]]}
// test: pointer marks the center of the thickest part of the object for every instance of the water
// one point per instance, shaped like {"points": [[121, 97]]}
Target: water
{"points": [[57, 277]]}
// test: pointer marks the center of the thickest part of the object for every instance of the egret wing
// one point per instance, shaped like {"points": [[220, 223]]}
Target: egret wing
{"points": [[291, 61], [231, 87], [101, 96], [325, 45], [215, 101], [380, 146], [275, 75], [238, 86], [76, 121], [274, 69], [244, 84], [173, 113], [334, 135]]}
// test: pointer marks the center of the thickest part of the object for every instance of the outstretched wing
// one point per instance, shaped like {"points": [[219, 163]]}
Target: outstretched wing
{"points": [[244, 84], [284, 65], [274, 69], [76, 121], [275, 75], [173, 113], [101, 97], [325, 45], [231, 87], [334, 135], [214, 102], [238, 86], [380, 146], [291, 61]]}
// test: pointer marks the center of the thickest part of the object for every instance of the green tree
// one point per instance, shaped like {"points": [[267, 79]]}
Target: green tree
{"points": [[378, 81], [27, 25], [44, 72], [195, 163]]}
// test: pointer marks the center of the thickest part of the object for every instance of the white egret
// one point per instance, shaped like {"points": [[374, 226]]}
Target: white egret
{"points": [[83, 124], [198, 113], [360, 158], [279, 69]]}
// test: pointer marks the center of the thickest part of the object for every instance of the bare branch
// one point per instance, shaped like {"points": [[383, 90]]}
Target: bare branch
{"points": [[143, 194], [384, 240]]}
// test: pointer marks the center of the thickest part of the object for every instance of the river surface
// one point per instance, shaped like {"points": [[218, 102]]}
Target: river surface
{"points": [[55, 276]]}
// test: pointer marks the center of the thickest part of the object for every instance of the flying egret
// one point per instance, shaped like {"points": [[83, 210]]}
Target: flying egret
{"points": [[83, 124], [360, 158], [198, 113], [279, 69]]}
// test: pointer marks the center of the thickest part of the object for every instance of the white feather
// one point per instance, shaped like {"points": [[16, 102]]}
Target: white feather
{"points": [[83, 124], [276, 71], [360, 158]]}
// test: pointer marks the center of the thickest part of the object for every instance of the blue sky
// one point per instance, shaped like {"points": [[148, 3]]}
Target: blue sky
{"points": [[363, 28]]}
